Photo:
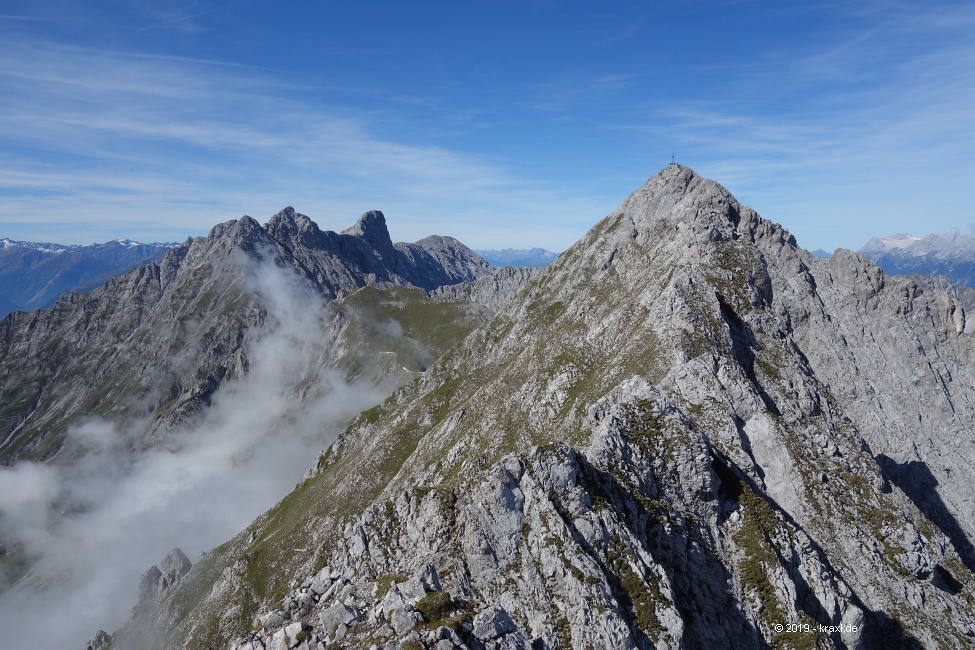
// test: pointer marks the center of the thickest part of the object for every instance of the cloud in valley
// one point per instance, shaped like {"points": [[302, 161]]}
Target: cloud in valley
{"points": [[96, 524]]}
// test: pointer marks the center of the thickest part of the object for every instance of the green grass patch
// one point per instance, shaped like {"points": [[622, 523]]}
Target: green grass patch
{"points": [[435, 606], [386, 583], [372, 415]]}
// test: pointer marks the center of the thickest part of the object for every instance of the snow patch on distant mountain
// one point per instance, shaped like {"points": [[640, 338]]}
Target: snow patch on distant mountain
{"points": [[951, 254], [900, 240], [47, 247], [35, 274]]}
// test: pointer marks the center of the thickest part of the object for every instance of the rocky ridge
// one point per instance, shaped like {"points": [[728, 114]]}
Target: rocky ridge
{"points": [[153, 346], [686, 432], [965, 295], [492, 292]]}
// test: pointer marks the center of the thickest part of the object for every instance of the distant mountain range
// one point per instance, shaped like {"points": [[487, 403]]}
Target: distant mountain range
{"points": [[951, 254], [533, 257], [33, 275]]}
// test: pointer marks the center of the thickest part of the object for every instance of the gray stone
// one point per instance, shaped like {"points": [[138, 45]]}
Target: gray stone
{"points": [[509, 642], [403, 621], [149, 585], [492, 623], [291, 630], [490, 291], [278, 641], [336, 615], [99, 641], [174, 566], [274, 619]]}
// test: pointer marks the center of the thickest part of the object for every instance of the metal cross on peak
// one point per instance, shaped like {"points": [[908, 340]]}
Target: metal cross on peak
{"points": [[672, 159]]}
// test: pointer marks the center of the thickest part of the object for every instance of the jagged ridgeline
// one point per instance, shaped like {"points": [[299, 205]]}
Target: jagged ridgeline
{"points": [[686, 432], [153, 346]]}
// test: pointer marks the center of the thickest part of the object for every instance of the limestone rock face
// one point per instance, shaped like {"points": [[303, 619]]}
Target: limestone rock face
{"points": [[686, 432], [964, 295], [365, 255], [490, 291], [154, 345], [174, 566]]}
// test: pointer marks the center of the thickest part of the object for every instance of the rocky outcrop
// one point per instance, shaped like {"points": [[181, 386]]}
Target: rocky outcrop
{"points": [[365, 255], [155, 582], [964, 295], [436, 258], [99, 641], [492, 291], [685, 433]]}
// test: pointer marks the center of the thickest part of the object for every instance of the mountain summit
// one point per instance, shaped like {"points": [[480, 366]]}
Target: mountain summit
{"points": [[686, 432], [371, 227]]}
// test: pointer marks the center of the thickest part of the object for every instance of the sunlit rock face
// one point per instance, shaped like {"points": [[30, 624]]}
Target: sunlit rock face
{"points": [[686, 432]]}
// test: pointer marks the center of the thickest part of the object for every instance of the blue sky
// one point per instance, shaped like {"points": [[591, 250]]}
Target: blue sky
{"points": [[503, 124]]}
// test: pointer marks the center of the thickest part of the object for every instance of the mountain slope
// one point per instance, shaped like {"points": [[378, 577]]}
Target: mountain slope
{"points": [[151, 347], [951, 254], [686, 432], [34, 275]]}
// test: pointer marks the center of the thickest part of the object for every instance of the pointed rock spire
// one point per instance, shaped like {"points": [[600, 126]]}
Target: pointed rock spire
{"points": [[371, 228]]}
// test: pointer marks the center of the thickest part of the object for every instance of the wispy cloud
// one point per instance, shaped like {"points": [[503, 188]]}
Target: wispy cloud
{"points": [[147, 139], [182, 19], [844, 144]]}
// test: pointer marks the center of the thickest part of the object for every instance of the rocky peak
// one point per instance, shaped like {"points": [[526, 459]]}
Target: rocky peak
{"points": [[371, 228], [99, 641], [155, 582], [685, 432], [666, 439], [698, 210], [143, 312], [291, 229], [244, 234]]}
